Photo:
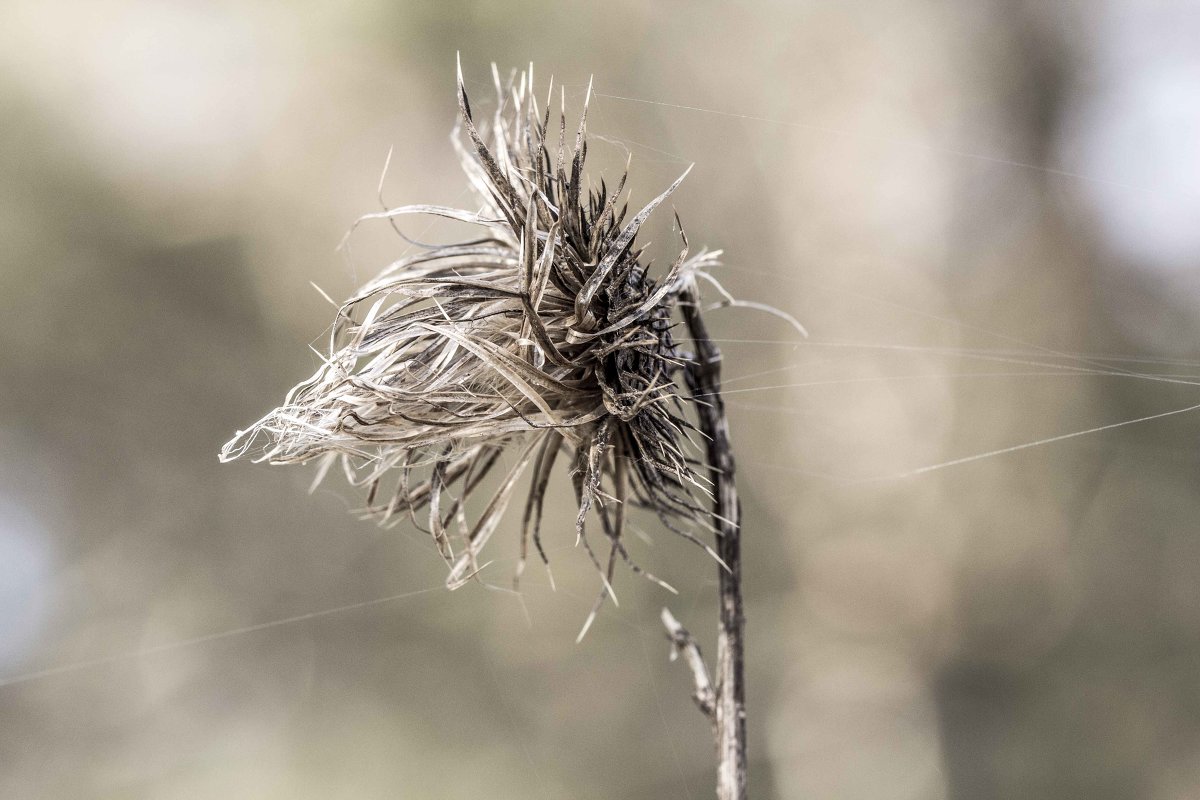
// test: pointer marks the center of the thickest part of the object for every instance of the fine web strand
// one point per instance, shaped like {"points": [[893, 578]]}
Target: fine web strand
{"points": [[952, 351], [946, 320], [1014, 448], [167, 647], [892, 140], [1048, 368], [79, 666], [936, 376]]}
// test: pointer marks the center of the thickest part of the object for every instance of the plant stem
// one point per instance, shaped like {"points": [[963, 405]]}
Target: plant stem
{"points": [[729, 714]]}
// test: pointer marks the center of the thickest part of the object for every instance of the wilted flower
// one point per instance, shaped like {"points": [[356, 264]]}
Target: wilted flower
{"points": [[543, 336]]}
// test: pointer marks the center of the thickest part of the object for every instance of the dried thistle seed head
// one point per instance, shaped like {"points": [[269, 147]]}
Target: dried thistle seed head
{"points": [[542, 336]]}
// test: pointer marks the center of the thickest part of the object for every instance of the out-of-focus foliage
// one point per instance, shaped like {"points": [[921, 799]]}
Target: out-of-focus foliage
{"points": [[984, 213]]}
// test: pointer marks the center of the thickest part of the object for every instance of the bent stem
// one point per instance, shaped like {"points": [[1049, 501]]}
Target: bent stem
{"points": [[724, 704]]}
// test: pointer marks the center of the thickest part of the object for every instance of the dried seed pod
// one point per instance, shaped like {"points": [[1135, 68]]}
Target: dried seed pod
{"points": [[545, 333]]}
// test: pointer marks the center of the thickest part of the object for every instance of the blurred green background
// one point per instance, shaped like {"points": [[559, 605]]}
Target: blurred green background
{"points": [[986, 213]]}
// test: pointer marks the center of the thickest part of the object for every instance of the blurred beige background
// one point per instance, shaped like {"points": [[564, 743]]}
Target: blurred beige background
{"points": [[986, 213]]}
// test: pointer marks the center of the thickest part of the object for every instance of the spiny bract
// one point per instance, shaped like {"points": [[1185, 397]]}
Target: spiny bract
{"points": [[543, 336]]}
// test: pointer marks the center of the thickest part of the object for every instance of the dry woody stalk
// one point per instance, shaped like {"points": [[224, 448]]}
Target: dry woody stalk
{"points": [[543, 340]]}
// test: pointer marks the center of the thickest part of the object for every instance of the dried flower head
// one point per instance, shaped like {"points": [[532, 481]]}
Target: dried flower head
{"points": [[546, 335]]}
